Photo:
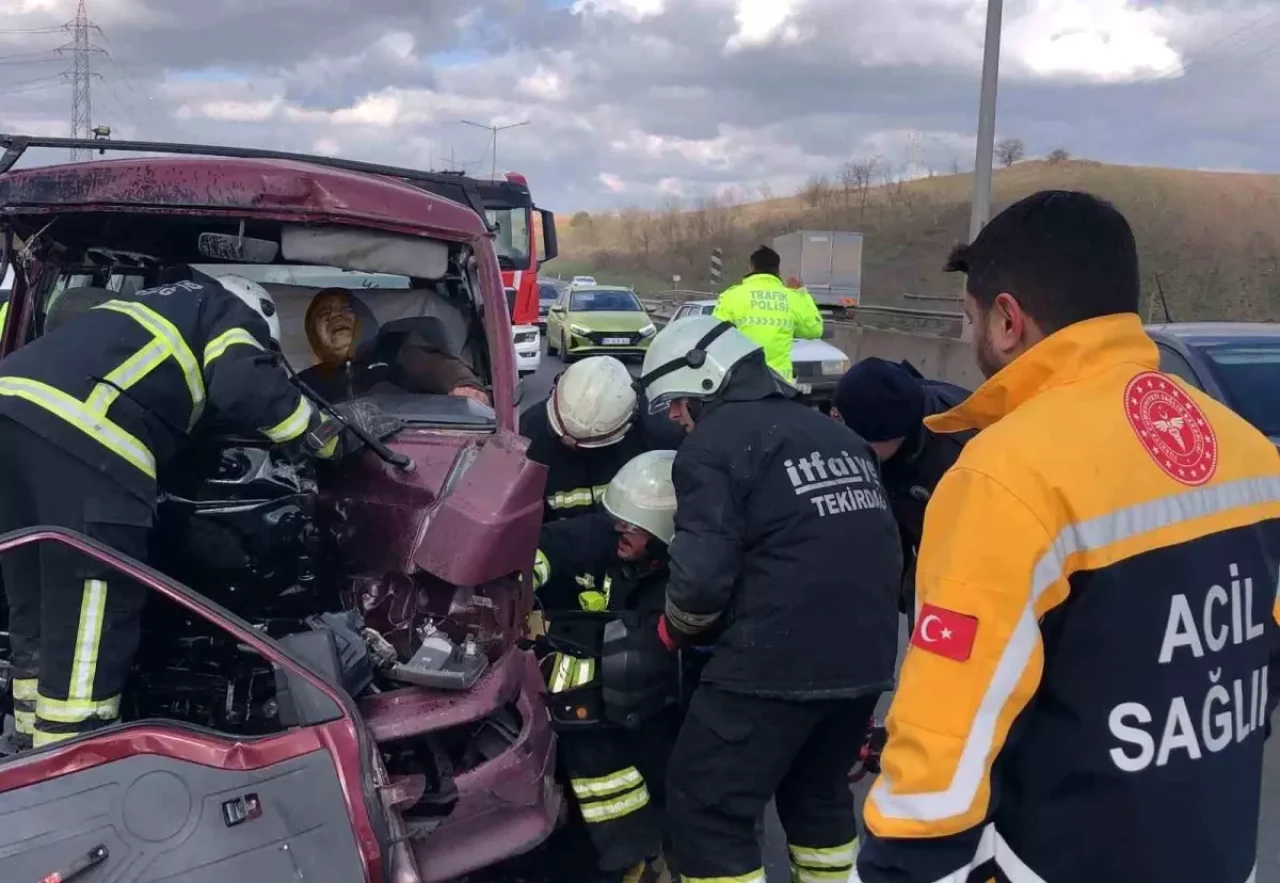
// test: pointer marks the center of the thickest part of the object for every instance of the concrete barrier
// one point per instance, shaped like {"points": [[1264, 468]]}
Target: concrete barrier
{"points": [[938, 358]]}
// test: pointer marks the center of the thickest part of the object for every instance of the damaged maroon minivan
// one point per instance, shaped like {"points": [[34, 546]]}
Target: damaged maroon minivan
{"points": [[334, 682]]}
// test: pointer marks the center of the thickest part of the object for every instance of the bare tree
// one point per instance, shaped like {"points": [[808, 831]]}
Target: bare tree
{"points": [[857, 178], [1058, 156], [1010, 151], [816, 192]]}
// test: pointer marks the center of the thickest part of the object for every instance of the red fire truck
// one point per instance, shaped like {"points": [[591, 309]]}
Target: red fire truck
{"points": [[509, 207]]}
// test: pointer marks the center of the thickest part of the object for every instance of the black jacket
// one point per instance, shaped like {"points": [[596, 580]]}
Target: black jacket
{"points": [[574, 556], [122, 386], [577, 477], [911, 474], [785, 548], [573, 549]]}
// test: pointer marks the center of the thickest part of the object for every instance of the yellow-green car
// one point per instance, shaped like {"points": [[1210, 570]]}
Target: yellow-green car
{"points": [[598, 320]]}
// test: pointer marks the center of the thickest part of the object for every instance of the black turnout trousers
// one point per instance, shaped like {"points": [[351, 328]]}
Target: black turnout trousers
{"points": [[734, 753], [74, 623], [616, 777]]}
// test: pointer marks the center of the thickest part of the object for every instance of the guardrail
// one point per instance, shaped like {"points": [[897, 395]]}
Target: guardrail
{"points": [[935, 322], [944, 297]]}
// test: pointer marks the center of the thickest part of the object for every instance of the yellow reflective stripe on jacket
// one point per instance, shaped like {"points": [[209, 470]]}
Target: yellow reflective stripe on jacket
{"points": [[570, 673], [292, 426], [582, 496], [4, 313], [541, 569], [126, 374], [225, 341], [112, 437], [1060, 475], [165, 330], [594, 601]]}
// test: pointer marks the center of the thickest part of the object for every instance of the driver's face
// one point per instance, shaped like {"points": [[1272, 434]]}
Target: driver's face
{"points": [[334, 322]]}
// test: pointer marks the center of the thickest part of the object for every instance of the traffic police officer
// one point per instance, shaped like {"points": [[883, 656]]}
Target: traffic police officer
{"points": [[785, 558], [616, 772], [886, 403], [90, 414], [1085, 696], [769, 312]]}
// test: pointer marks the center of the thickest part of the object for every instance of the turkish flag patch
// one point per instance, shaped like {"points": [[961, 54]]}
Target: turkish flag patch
{"points": [[945, 632]]}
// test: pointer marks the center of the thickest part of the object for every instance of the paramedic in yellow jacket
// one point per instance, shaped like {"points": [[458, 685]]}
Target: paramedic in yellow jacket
{"points": [[769, 312], [1089, 682]]}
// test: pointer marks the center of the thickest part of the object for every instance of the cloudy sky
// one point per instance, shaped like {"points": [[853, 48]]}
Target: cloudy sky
{"points": [[637, 101]]}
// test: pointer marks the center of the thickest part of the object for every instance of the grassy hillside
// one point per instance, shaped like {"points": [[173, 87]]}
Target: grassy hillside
{"points": [[1212, 238]]}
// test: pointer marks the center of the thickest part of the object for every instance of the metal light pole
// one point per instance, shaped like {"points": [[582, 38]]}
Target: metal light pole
{"points": [[981, 211], [494, 130]]}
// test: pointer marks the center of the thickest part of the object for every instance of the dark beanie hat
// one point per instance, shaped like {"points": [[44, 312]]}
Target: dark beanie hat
{"points": [[880, 400]]}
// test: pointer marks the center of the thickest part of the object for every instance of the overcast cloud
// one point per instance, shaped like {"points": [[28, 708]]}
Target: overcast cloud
{"points": [[637, 101]]}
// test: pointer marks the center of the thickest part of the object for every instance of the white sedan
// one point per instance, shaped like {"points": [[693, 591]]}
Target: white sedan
{"points": [[817, 364]]}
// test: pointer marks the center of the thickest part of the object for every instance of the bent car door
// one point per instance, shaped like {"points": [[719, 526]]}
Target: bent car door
{"points": [[159, 799]]}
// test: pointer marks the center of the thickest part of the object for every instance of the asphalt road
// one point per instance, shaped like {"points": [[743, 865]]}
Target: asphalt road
{"points": [[538, 386]]}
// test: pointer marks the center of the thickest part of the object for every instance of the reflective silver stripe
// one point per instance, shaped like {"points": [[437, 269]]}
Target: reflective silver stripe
{"points": [[1097, 533], [225, 341], [691, 623], [608, 810], [582, 496], [163, 329], [61, 711], [292, 426], [84, 665], [75, 412], [606, 786], [830, 857]]}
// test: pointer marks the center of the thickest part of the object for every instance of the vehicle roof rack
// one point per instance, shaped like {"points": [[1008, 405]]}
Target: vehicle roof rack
{"points": [[16, 145]]}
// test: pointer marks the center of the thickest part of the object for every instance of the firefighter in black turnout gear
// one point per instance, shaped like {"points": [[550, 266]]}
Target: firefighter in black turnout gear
{"points": [[584, 433], [586, 430], [90, 414], [886, 403], [787, 556], [616, 712]]}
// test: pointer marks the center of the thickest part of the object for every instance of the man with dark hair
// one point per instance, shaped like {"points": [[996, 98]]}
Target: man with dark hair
{"points": [[1085, 696], [770, 313], [886, 403], [1069, 256]]}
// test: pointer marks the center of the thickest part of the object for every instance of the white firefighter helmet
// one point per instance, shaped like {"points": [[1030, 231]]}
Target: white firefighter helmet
{"points": [[255, 298], [641, 494], [690, 359], [593, 403]]}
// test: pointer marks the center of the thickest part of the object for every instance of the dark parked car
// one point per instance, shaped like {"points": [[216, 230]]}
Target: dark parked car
{"points": [[547, 295], [1236, 363]]}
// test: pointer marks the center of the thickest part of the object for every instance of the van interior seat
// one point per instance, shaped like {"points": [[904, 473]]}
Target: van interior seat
{"points": [[395, 311]]}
